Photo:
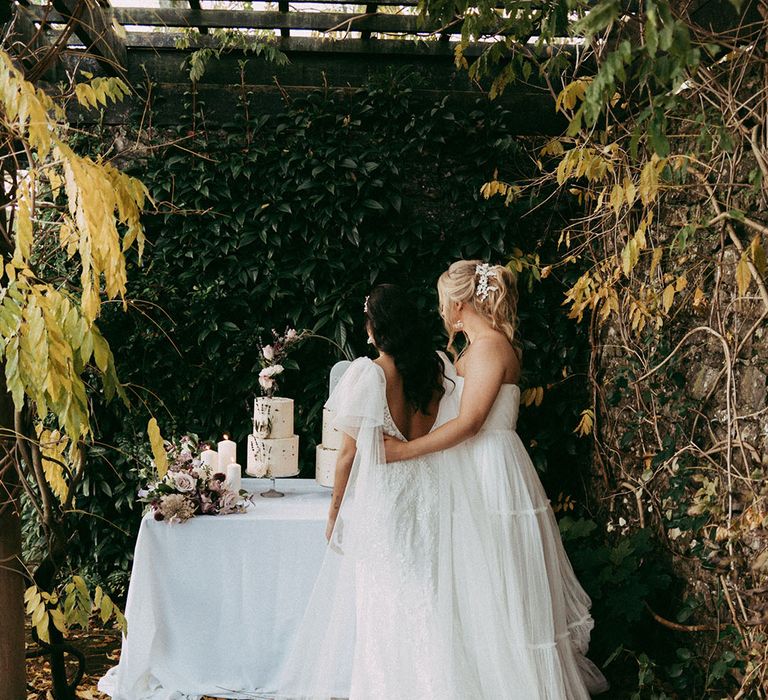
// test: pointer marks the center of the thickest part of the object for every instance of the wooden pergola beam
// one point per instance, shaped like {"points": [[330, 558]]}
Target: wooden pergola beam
{"points": [[195, 5], [166, 41], [256, 19], [247, 19], [370, 9], [93, 25]]}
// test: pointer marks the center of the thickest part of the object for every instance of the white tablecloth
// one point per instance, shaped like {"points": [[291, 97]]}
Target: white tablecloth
{"points": [[214, 603]]}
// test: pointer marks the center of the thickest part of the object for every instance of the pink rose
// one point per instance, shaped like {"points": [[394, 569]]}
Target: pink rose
{"points": [[228, 501], [184, 481]]}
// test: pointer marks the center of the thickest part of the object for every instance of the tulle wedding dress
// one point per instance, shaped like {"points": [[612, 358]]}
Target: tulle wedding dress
{"points": [[514, 618], [445, 577]]}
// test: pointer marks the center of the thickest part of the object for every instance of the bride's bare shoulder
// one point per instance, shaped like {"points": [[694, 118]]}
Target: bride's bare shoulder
{"points": [[494, 349]]}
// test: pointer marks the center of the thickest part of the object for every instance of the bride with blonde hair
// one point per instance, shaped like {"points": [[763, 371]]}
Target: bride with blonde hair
{"points": [[514, 617]]}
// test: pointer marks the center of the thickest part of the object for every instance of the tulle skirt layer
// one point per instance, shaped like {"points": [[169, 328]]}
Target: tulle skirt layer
{"points": [[516, 618]]}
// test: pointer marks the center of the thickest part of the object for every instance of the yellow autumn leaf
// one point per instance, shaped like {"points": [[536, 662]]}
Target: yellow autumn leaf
{"points": [[158, 450], [586, 423], [698, 297], [617, 198], [649, 179], [668, 297], [53, 447], [554, 147], [655, 260], [757, 254], [59, 620], [571, 94], [630, 191], [743, 277]]}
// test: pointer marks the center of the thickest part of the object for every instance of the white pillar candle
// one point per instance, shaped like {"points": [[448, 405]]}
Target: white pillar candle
{"points": [[234, 476], [210, 460], [227, 453]]}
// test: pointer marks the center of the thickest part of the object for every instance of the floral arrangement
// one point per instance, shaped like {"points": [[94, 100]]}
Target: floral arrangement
{"points": [[272, 357], [188, 488]]}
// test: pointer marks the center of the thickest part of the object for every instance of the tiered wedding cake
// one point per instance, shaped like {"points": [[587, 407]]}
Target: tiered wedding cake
{"points": [[273, 449], [326, 453]]}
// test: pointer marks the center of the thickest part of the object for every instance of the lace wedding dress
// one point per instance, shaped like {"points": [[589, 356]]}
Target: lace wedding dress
{"points": [[446, 575], [376, 592]]}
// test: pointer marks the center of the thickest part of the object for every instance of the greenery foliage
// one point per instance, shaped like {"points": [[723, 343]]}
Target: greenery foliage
{"points": [[66, 222], [290, 219], [665, 151]]}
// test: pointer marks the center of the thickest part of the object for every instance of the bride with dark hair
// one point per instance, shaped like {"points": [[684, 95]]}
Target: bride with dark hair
{"points": [[377, 588], [445, 571]]}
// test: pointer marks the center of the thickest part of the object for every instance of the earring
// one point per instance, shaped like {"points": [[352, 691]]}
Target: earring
{"points": [[459, 325], [371, 340]]}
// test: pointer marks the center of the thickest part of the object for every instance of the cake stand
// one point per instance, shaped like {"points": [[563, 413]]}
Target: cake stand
{"points": [[273, 492]]}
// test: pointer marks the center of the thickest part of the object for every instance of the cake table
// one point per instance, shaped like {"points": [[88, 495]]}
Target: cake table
{"points": [[214, 603]]}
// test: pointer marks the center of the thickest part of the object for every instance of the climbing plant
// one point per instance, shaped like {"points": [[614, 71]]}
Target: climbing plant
{"points": [[65, 224], [665, 153]]}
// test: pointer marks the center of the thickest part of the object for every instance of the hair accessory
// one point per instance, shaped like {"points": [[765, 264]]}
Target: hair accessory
{"points": [[483, 288], [365, 304]]}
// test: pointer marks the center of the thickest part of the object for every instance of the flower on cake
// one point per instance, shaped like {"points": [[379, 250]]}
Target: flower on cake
{"points": [[267, 377], [272, 357], [188, 489]]}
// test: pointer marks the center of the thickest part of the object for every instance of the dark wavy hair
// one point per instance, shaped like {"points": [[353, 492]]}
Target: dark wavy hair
{"points": [[400, 330]]}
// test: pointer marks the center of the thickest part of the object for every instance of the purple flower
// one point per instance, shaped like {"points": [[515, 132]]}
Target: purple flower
{"points": [[207, 506]]}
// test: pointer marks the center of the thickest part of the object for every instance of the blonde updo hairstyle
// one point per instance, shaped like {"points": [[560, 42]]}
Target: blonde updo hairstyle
{"points": [[459, 283]]}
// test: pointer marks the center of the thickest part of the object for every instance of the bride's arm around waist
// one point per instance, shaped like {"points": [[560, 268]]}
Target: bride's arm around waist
{"points": [[344, 463], [483, 377]]}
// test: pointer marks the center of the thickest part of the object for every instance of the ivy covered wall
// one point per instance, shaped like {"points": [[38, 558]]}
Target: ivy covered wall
{"points": [[289, 219]]}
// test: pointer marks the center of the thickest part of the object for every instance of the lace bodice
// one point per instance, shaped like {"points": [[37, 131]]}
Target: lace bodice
{"points": [[390, 427]]}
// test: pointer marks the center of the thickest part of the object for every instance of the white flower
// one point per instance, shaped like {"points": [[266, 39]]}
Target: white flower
{"points": [[290, 335], [266, 383], [184, 481], [622, 522], [272, 371], [269, 353]]}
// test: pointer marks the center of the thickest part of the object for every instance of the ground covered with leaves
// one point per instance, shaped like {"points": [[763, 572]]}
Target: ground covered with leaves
{"points": [[102, 651]]}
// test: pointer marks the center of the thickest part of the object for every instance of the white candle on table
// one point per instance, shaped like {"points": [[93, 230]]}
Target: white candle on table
{"points": [[234, 476], [210, 459], [227, 453]]}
